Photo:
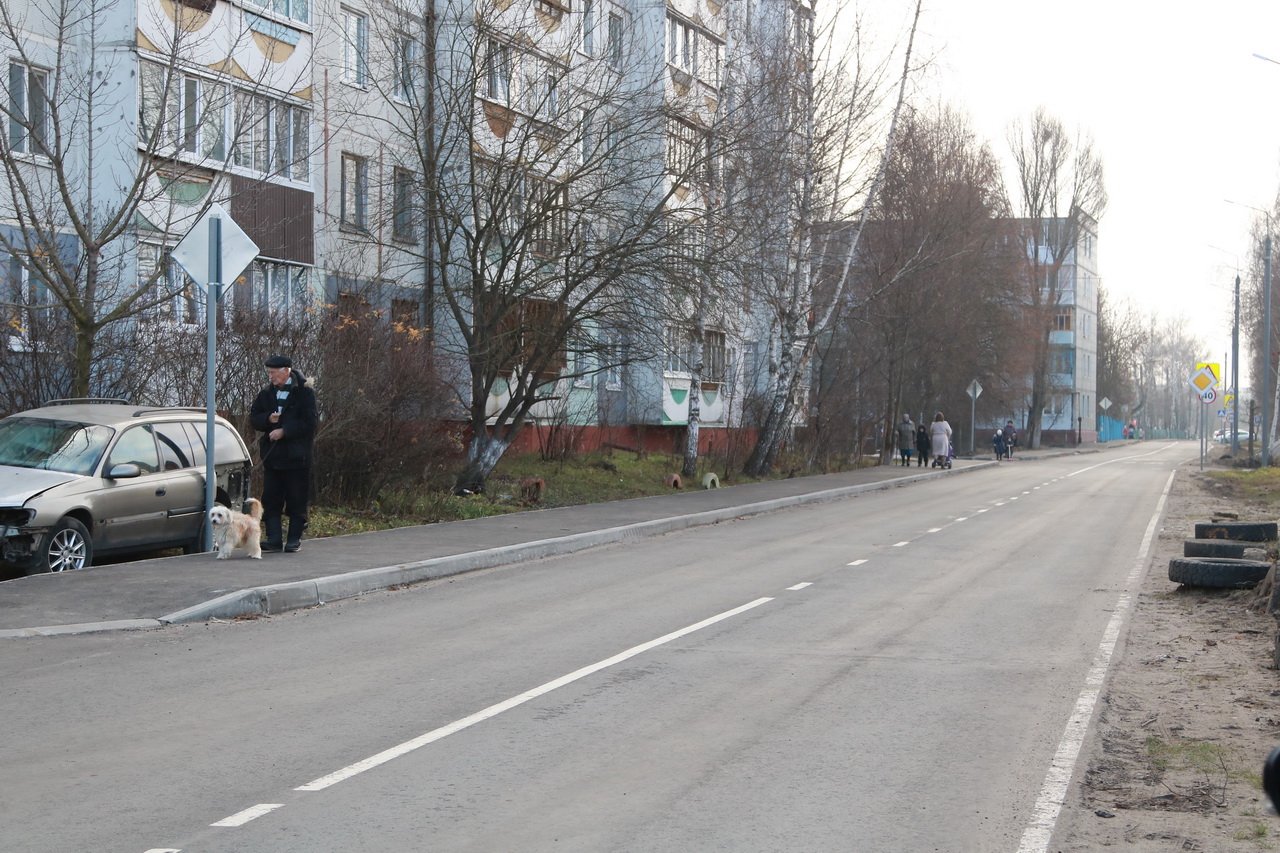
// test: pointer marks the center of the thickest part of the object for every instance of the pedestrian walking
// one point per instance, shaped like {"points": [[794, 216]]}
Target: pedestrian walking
{"points": [[940, 439], [285, 413], [906, 439], [1010, 439], [922, 445], [998, 445]]}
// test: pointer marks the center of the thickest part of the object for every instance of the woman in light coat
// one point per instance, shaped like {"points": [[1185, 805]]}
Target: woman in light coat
{"points": [[940, 435]]}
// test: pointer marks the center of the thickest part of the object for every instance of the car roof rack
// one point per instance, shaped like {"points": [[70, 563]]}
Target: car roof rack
{"points": [[72, 401], [148, 409]]}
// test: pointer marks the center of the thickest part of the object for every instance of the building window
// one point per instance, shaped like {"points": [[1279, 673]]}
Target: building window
{"points": [[541, 90], [175, 297], [497, 72], [355, 49], [276, 288], [408, 68], [185, 113], [28, 301], [614, 355], [688, 151], [274, 137], [1062, 321], [28, 109], [549, 210], [354, 211], [614, 49], [588, 27], [298, 10], [714, 357], [693, 51], [403, 219], [406, 314], [678, 351]]}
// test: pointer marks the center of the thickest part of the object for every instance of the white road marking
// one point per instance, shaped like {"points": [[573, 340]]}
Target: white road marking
{"points": [[900, 544], [1014, 498], [164, 850], [1036, 837], [999, 503], [799, 586], [241, 818], [515, 701], [962, 518], [984, 509], [935, 529], [856, 563]]}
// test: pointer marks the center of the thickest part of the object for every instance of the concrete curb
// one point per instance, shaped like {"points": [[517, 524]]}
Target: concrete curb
{"points": [[280, 598], [273, 599]]}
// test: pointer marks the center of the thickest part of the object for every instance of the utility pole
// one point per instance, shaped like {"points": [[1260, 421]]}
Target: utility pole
{"points": [[1266, 352], [1235, 376]]}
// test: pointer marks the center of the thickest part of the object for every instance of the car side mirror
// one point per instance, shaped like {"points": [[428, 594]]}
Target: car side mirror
{"points": [[124, 471]]}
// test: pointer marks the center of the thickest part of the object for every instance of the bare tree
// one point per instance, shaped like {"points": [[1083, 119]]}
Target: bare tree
{"points": [[1122, 335], [807, 160], [552, 211], [1060, 193], [108, 142], [932, 299]]}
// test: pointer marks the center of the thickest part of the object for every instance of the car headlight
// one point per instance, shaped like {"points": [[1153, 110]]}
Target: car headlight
{"points": [[16, 516]]}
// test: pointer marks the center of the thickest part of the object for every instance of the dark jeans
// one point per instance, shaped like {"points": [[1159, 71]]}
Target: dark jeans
{"points": [[285, 491]]}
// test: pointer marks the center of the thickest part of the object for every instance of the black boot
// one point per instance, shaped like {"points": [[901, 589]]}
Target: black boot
{"points": [[294, 543], [275, 537]]}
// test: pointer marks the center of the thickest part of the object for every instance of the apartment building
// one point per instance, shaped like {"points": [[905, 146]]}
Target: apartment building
{"points": [[316, 124]]}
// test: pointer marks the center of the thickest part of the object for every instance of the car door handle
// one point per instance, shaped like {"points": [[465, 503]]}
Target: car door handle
{"points": [[160, 491]]}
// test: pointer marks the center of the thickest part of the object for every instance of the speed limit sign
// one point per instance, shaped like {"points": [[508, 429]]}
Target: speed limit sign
{"points": [[1208, 395]]}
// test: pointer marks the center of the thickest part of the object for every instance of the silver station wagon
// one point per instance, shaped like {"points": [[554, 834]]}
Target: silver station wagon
{"points": [[80, 478]]}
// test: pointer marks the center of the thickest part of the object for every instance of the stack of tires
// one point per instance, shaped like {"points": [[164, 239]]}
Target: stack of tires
{"points": [[1216, 556]]}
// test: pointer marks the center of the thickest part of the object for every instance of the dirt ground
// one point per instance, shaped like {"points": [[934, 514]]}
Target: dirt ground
{"points": [[1190, 710]]}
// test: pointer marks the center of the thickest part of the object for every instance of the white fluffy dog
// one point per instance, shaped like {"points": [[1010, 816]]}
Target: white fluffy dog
{"points": [[232, 530]]}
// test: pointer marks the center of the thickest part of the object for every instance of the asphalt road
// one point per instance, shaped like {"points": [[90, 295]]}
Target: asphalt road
{"points": [[893, 672]]}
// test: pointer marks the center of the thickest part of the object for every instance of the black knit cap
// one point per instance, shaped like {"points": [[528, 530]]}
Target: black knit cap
{"points": [[279, 361]]}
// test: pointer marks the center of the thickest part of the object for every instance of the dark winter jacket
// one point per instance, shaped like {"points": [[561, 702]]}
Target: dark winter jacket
{"points": [[922, 439], [298, 417]]}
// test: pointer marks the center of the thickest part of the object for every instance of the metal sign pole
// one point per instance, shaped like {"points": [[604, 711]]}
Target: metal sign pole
{"points": [[211, 323]]}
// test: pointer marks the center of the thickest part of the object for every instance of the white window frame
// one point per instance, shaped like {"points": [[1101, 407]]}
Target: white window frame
{"points": [[355, 48], [274, 137], [181, 302], [404, 218], [498, 66], [587, 34], [616, 36], [294, 10], [278, 288], [353, 210], [407, 68], [23, 125]]}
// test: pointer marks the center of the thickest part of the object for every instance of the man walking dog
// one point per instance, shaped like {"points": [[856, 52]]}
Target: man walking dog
{"points": [[285, 413]]}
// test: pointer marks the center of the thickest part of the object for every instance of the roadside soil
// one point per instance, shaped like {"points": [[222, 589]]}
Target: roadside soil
{"points": [[1190, 709]]}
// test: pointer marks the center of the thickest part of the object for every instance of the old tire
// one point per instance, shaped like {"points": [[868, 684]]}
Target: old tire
{"points": [[1217, 572], [710, 481], [1245, 531], [68, 547], [1216, 548]]}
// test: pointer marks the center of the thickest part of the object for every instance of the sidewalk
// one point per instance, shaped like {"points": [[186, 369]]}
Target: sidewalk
{"points": [[151, 593]]}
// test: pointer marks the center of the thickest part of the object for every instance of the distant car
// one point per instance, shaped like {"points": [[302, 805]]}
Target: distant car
{"points": [[1223, 436], [81, 478]]}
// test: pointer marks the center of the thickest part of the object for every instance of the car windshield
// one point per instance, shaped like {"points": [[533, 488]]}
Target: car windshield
{"points": [[67, 446]]}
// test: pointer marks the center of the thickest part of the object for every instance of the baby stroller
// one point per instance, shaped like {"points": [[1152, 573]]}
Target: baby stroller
{"points": [[944, 462]]}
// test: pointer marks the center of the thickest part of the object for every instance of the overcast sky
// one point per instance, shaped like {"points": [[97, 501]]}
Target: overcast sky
{"points": [[1181, 112]]}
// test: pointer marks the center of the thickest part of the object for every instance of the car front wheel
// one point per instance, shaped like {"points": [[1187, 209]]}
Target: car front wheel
{"points": [[68, 547]]}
